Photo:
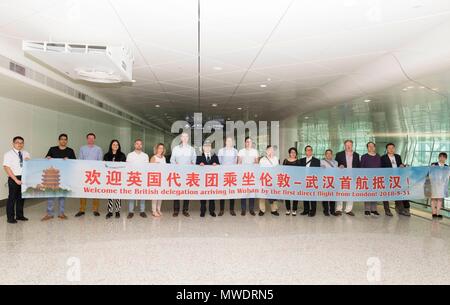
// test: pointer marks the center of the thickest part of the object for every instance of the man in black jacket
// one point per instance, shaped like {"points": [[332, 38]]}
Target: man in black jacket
{"points": [[392, 160], [347, 159], [207, 158], [309, 207]]}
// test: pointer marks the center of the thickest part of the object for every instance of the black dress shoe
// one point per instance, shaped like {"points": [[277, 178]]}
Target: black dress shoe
{"points": [[22, 218], [311, 214], [440, 216], [186, 213], [243, 213], [376, 213], [212, 214], [12, 221], [252, 213], [275, 213], [221, 213], [261, 213], [233, 213], [326, 213], [338, 213], [130, 215], [96, 214], [202, 214], [109, 215], [304, 213], [117, 215], [79, 214], [175, 214], [367, 213], [143, 215]]}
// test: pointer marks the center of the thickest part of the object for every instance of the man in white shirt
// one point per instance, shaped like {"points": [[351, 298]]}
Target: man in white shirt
{"points": [[182, 154], [137, 157], [248, 155], [12, 164], [269, 160], [228, 155]]}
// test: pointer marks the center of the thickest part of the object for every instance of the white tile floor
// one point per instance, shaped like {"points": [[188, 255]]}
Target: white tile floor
{"points": [[226, 250]]}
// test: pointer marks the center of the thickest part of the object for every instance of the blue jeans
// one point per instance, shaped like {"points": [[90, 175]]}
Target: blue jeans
{"points": [[51, 203], [131, 205]]}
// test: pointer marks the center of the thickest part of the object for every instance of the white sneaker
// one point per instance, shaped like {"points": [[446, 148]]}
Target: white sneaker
{"points": [[288, 213], [294, 213]]}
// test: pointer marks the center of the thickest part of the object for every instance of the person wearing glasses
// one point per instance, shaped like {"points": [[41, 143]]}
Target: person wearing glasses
{"points": [[13, 164]]}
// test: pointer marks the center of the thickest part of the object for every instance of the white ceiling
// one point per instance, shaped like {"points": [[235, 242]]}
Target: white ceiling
{"points": [[297, 49]]}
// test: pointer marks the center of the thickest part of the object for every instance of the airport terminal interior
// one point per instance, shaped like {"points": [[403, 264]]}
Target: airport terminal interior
{"points": [[318, 72]]}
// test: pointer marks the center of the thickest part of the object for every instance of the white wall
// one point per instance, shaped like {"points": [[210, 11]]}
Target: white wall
{"points": [[40, 128]]}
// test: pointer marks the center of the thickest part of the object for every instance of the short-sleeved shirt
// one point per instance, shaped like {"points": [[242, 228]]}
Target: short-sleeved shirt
{"points": [[248, 156], [135, 157], [56, 153], [12, 160], [228, 156], [91, 153], [183, 155]]}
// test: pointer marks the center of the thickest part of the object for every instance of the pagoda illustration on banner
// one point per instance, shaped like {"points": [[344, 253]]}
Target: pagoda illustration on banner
{"points": [[50, 183]]}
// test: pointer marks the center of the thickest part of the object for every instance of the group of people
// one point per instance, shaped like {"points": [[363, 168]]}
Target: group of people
{"points": [[184, 154]]}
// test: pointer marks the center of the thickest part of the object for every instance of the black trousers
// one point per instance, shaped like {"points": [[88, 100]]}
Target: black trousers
{"points": [[402, 203], [212, 206], [329, 206], [14, 205], [294, 205], [222, 205], [310, 206], [176, 205]]}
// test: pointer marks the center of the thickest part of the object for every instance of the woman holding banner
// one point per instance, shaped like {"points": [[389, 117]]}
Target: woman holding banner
{"points": [[159, 158], [114, 154]]}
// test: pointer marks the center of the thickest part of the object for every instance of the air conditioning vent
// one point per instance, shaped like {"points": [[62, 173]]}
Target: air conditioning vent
{"points": [[92, 63]]}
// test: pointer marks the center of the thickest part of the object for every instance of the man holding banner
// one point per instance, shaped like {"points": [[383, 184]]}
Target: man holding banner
{"points": [[137, 157], [183, 154], [90, 151]]}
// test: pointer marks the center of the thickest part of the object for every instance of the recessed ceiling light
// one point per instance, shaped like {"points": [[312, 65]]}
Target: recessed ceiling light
{"points": [[405, 89], [263, 85], [269, 79], [214, 105], [239, 108], [410, 87], [157, 106], [367, 101], [217, 68], [306, 117], [435, 89], [422, 87]]}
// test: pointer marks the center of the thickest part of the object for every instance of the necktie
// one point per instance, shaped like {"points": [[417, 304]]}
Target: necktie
{"points": [[208, 158], [20, 158]]}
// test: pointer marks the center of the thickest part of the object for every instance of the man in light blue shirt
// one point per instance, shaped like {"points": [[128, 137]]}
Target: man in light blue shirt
{"points": [[183, 154], [90, 152]]}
